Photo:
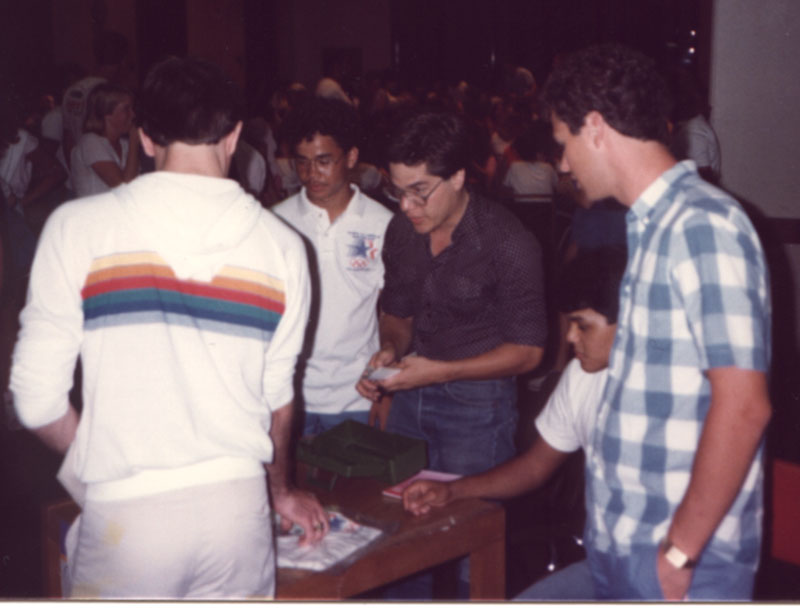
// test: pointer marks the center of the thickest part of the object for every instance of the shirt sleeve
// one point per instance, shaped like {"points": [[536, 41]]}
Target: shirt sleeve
{"points": [[520, 293], [51, 330], [555, 422], [95, 148], [399, 286], [287, 342], [722, 279]]}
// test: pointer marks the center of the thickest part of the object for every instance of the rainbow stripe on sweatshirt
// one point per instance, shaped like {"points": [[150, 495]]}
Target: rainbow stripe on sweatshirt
{"points": [[141, 288]]}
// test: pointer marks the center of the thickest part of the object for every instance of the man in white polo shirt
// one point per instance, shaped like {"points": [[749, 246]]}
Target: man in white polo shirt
{"points": [[346, 229]]}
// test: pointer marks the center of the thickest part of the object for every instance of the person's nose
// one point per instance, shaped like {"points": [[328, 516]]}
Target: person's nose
{"points": [[572, 333], [563, 166]]}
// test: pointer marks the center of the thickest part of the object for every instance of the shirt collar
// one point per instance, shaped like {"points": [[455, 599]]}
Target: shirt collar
{"points": [[356, 205], [644, 206]]}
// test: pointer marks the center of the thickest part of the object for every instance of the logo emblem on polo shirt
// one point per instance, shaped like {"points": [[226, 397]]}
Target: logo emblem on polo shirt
{"points": [[363, 250]]}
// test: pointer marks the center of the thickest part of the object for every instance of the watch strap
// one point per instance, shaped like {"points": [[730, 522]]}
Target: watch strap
{"points": [[676, 557]]}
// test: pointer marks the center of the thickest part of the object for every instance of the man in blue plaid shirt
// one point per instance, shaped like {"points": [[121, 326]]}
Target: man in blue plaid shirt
{"points": [[674, 491]]}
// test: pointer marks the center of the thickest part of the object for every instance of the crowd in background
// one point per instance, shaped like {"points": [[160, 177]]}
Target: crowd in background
{"points": [[76, 135]]}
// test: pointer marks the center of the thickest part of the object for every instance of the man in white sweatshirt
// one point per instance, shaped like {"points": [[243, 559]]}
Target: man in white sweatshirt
{"points": [[187, 304]]}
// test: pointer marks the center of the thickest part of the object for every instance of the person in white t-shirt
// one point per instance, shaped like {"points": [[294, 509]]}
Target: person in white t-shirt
{"points": [[532, 176], [107, 153], [588, 294], [346, 229]]}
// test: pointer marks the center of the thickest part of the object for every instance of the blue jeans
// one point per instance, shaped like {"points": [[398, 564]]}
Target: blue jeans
{"points": [[317, 423], [469, 426], [572, 583], [634, 577]]}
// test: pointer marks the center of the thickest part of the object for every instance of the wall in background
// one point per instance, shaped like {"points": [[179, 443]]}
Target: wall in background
{"points": [[215, 31], [754, 96], [306, 28], [74, 21]]}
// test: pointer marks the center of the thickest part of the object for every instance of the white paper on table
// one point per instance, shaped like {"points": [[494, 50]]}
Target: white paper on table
{"points": [[344, 538]]}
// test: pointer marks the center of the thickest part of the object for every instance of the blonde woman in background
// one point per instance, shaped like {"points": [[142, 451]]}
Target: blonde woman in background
{"points": [[108, 152]]}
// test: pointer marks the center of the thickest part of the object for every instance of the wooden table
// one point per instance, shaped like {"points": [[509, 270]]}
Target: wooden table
{"points": [[466, 527]]}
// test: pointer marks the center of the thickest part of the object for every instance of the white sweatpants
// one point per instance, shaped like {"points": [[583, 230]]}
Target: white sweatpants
{"points": [[209, 541]]}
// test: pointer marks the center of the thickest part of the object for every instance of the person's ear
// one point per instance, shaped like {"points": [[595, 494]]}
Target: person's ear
{"points": [[230, 140], [148, 145], [352, 157], [457, 180], [596, 127]]}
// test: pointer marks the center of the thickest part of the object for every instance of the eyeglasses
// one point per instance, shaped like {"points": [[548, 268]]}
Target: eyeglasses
{"points": [[323, 164], [396, 194]]}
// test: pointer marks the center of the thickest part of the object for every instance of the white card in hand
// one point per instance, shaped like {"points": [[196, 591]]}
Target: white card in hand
{"points": [[383, 372]]}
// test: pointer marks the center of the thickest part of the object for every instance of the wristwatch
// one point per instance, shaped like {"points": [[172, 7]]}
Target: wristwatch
{"points": [[676, 557]]}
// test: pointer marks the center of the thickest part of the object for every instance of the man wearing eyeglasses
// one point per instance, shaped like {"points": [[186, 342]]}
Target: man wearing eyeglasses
{"points": [[346, 229], [462, 311]]}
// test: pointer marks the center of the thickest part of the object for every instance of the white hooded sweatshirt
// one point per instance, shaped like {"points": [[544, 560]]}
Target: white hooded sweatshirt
{"points": [[187, 303]]}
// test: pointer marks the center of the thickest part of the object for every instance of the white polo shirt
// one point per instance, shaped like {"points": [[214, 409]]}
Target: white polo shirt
{"points": [[351, 278]]}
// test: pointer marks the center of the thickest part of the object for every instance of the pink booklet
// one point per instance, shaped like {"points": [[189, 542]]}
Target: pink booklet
{"points": [[396, 491]]}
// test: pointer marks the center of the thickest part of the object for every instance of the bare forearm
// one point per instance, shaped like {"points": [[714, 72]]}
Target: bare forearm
{"points": [[503, 361], [733, 430], [59, 434], [280, 433], [524, 473], [395, 333]]}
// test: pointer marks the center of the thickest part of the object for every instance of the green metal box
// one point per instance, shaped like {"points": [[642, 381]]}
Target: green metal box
{"points": [[352, 449]]}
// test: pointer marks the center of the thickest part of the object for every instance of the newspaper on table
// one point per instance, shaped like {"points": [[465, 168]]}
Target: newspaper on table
{"points": [[344, 538]]}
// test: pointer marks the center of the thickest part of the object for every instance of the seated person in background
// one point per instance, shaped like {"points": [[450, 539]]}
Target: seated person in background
{"points": [[597, 224], [587, 293], [503, 143], [28, 176], [692, 135], [249, 169], [346, 229], [108, 152], [532, 174]]}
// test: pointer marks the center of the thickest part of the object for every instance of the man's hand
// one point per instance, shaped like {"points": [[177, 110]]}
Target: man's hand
{"points": [[415, 372], [370, 389], [420, 496], [302, 508], [674, 581], [379, 412]]}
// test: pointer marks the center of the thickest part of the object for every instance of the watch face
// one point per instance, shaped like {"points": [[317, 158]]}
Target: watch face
{"points": [[675, 556]]}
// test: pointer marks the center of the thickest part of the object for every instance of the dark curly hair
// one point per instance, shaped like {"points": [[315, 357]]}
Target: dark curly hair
{"points": [[591, 281], [328, 117], [441, 140], [621, 84], [189, 100]]}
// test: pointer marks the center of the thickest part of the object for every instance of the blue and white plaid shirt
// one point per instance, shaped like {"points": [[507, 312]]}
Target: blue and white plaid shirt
{"points": [[695, 296]]}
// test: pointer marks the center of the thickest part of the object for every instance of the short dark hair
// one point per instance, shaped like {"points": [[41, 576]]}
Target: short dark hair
{"points": [[440, 140], [328, 117], [620, 83], [189, 100], [591, 281]]}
